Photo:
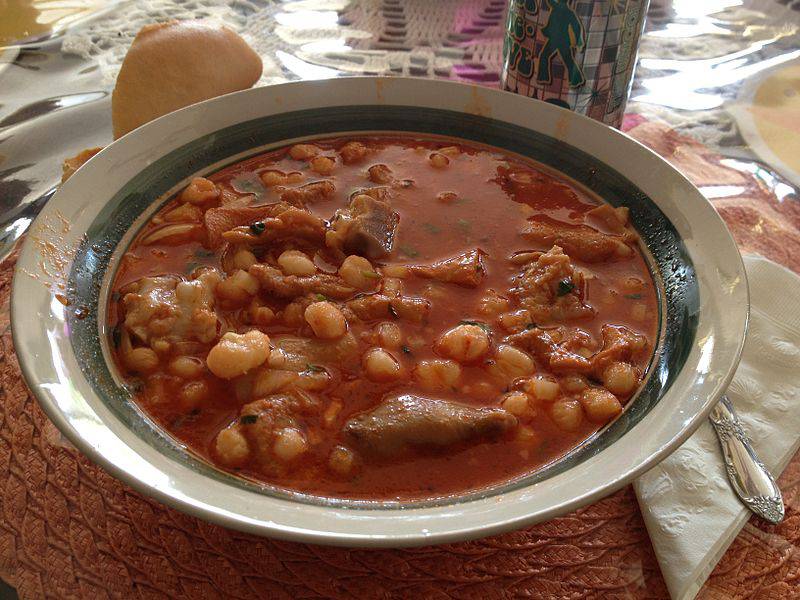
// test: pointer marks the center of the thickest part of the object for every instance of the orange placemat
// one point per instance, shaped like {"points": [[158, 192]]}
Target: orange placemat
{"points": [[70, 530]]}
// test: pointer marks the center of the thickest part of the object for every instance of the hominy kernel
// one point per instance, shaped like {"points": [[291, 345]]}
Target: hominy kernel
{"points": [[439, 161], [238, 288], [492, 305], [515, 321], [447, 197], [289, 444], [600, 405], [295, 177], [358, 272], [273, 178], [186, 367], [567, 414], [243, 259], [303, 151], [192, 394], [543, 389], [380, 365], [464, 343], [341, 460], [511, 362], [160, 346], [261, 315], [235, 354], [293, 314], [322, 165], [326, 320], [620, 378], [353, 152], [294, 262], [516, 403], [232, 447], [573, 384], [437, 374], [380, 174], [141, 360], [199, 191], [389, 335], [526, 435]]}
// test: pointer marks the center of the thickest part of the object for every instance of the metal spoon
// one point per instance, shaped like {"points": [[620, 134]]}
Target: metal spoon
{"points": [[750, 479]]}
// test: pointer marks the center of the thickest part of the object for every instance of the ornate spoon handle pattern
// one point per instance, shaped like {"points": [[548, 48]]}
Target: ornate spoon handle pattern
{"points": [[750, 479]]}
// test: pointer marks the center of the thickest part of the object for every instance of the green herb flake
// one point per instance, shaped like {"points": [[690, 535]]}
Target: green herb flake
{"points": [[321, 297], [464, 225], [483, 326], [530, 326], [314, 368], [406, 350], [203, 253], [431, 228], [248, 419], [565, 286], [370, 274], [409, 251], [633, 296], [258, 227]]}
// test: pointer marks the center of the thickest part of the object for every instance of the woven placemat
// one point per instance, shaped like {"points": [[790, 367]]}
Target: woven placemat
{"points": [[70, 530]]}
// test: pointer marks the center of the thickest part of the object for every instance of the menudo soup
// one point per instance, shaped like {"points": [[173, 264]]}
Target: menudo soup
{"points": [[384, 317]]}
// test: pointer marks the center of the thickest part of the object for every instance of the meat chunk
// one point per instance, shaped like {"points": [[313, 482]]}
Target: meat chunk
{"points": [[366, 227], [619, 344], [404, 422], [263, 427], [261, 224], [580, 241], [309, 193], [222, 219], [551, 290], [291, 286], [556, 348], [352, 152], [373, 307], [465, 269], [296, 353], [167, 308], [615, 219]]}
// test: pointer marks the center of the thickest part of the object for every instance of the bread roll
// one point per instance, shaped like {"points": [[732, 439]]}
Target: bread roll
{"points": [[175, 64]]}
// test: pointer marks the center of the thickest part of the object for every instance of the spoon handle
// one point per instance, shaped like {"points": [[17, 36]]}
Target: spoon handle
{"points": [[750, 479]]}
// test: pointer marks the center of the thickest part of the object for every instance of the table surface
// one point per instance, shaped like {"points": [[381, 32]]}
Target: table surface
{"points": [[704, 98]]}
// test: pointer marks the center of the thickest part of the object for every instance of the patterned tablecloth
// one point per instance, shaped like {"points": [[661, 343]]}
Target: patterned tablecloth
{"points": [[68, 529]]}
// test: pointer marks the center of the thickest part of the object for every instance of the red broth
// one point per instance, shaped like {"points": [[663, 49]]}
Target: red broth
{"points": [[404, 377]]}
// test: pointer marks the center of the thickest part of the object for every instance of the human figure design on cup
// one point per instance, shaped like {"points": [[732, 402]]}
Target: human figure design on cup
{"points": [[564, 34]]}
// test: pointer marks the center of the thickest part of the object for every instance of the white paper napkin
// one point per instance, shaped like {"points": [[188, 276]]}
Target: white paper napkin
{"points": [[690, 510]]}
